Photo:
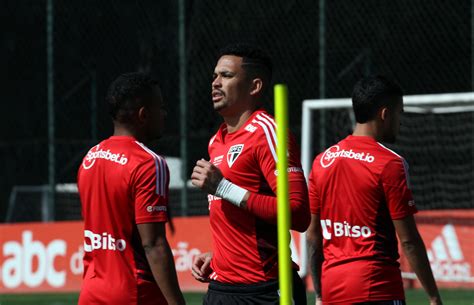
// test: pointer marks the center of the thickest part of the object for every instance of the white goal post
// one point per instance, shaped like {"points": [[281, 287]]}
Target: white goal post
{"points": [[429, 103]]}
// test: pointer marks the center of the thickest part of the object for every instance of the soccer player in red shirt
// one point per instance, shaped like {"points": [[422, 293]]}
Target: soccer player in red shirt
{"points": [[240, 179], [360, 198], [123, 187]]}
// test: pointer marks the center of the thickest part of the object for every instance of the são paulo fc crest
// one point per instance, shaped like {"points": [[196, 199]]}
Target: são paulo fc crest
{"points": [[234, 153]]}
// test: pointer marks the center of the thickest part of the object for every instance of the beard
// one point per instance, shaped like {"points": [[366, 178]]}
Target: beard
{"points": [[218, 106]]}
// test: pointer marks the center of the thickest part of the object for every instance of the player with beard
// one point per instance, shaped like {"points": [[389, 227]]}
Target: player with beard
{"points": [[240, 178]]}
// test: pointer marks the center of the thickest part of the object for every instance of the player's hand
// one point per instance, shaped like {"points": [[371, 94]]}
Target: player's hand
{"points": [[318, 301], [201, 268], [206, 176]]}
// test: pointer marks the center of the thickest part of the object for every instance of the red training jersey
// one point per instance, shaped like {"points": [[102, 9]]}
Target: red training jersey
{"points": [[357, 187], [121, 183], [244, 245]]}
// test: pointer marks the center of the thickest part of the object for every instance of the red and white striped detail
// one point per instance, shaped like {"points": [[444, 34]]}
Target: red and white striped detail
{"points": [[404, 162], [269, 128], [213, 276], [386, 148], [212, 139], [162, 179]]}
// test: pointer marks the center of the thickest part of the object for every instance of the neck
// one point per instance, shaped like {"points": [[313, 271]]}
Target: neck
{"points": [[368, 129], [123, 130], [235, 122]]}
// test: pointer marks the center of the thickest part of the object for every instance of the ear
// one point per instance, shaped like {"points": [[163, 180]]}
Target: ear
{"points": [[383, 113], [256, 87], [142, 114]]}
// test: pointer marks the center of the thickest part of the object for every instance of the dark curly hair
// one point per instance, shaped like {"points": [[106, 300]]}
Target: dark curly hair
{"points": [[255, 61], [371, 93], [128, 93]]}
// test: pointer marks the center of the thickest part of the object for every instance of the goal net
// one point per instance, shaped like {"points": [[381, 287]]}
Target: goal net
{"points": [[436, 138]]}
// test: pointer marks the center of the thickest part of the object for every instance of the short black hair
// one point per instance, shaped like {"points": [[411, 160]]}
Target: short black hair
{"points": [[128, 93], [255, 61], [371, 93]]}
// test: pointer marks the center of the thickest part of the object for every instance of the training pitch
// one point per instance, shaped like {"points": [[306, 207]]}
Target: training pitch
{"points": [[414, 297]]}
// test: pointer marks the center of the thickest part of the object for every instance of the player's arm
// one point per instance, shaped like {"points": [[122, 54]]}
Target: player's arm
{"points": [[314, 236], [160, 258], [314, 240], [265, 207], [415, 251], [209, 178], [395, 182], [150, 185]]}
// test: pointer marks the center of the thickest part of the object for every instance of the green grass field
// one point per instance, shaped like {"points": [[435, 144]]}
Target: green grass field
{"points": [[414, 297]]}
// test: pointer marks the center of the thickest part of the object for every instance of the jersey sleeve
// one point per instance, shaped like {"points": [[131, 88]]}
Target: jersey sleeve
{"points": [[150, 187], [267, 158], [265, 206], [395, 183], [314, 198]]}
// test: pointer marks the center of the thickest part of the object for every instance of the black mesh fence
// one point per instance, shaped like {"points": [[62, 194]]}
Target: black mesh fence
{"points": [[426, 46], [440, 151]]}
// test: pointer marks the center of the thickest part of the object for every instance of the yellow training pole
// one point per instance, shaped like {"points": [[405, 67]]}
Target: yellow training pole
{"points": [[283, 218]]}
